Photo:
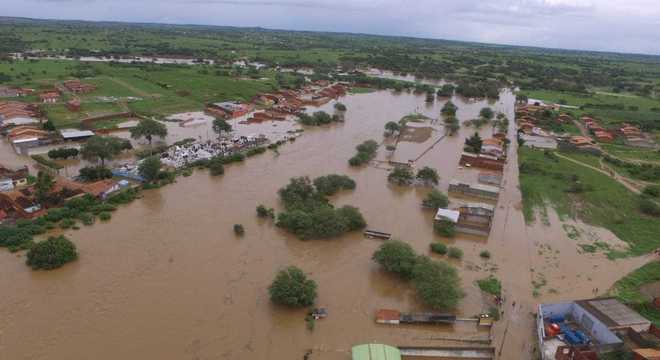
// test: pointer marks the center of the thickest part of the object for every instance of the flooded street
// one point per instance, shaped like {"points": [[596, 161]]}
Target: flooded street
{"points": [[167, 278]]}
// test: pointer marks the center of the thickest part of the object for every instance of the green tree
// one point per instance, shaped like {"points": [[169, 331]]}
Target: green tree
{"points": [[435, 200], [148, 128], [445, 228], [149, 168], [401, 175], [331, 184], [340, 107], [474, 143], [397, 257], [221, 125], [291, 287], [391, 127], [103, 148], [51, 254], [437, 284], [487, 113], [44, 185], [428, 175], [449, 109]]}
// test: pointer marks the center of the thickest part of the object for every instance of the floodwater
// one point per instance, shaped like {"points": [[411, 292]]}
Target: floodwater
{"points": [[166, 278], [124, 59]]}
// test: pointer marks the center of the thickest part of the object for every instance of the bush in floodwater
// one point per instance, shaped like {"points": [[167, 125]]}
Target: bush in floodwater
{"points": [[51, 254], [439, 248], [401, 175], [445, 228], [435, 200], [455, 253], [264, 212], [485, 254], [331, 184], [291, 287], [216, 166], [365, 152], [490, 285], [397, 257], [437, 283], [105, 216], [67, 223], [239, 229]]}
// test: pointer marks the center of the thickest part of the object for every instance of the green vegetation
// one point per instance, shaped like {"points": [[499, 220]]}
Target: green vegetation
{"points": [[317, 119], [484, 254], [149, 168], [45, 162], [646, 172], [340, 107], [103, 148], [309, 215], [603, 201], [437, 283], [428, 176], [435, 200], [365, 152], [221, 126], [239, 230], [94, 173], [331, 184], [490, 285], [264, 212], [627, 290], [473, 144], [63, 153], [449, 109], [445, 228], [391, 127], [455, 253], [439, 248], [401, 175], [291, 287], [51, 254], [148, 128]]}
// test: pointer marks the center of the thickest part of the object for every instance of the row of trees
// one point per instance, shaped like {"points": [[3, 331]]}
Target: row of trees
{"points": [[365, 152], [437, 283], [403, 176]]}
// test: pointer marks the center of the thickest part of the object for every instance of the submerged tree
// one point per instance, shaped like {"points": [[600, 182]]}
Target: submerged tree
{"points": [[51, 254], [221, 125], [103, 148], [292, 288], [435, 200], [149, 168], [148, 128], [428, 175]]}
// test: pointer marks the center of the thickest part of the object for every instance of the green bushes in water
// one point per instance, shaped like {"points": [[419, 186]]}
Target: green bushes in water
{"points": [[490, 285], [309, 215], [239, 229], [435, 200], [264, 212], [428, 176], [51, 254], [401, 175], [455, 253], [317, 119], [439, 248], [63, 153], [365, 152], [291, 287], [331, 184], [445, 228], [437, 283], [94, 173]]}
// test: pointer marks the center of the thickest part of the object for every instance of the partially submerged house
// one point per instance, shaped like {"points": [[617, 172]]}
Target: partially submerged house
{"points": [[480, 191], [10, 179], [471, 218], [375, 352], [228, 109], [588, 325], [482, 161], [493, 147]]}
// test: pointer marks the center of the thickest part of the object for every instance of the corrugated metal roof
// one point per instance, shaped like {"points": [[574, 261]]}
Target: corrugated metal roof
{"points": [[446, 214], [375, 352], [68, 134]]}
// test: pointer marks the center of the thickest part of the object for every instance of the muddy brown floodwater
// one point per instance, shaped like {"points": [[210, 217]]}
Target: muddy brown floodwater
{"points": [[166, 278]]}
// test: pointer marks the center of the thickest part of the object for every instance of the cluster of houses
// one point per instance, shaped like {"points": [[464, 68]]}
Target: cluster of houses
{"points": [[15, 113], [479, 178], [18, 198], [12, 92]]}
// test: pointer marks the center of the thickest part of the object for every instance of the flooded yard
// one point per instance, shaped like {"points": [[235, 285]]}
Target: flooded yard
{"points": [[167, 278]]}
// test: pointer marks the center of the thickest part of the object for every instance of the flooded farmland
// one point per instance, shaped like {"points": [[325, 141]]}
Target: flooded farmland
{"points": [[167, 278]]}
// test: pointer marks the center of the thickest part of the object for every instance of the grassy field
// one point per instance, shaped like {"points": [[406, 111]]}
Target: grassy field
{"points": [[586, 158], [631, 153], [549, 180], [628, 290]]}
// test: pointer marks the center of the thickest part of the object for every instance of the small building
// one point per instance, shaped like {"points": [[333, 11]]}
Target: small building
{"points": [[581, 141], [541, 142], [482, 161], [585, 324], [49, 97], [6, 91], [447, 215], [480, 191], [489, 178], [78, 87], [375, 352], [228, 109], [475, 219], [646, 354], [493, 147], [603, 136], [73, 105], [76, 135]]}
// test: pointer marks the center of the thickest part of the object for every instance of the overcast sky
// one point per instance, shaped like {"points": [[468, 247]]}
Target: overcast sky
{"points": [[608, 25]]}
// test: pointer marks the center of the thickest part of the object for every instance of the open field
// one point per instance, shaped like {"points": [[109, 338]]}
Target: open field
{"points": [[546, 181]]}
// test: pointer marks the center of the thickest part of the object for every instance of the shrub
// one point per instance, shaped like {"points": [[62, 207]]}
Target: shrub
{"points": [[490, 285], [87, 219], [255, 151], [216, 166], [67, 223], [485, 254], [455, 253], [397, 257], [105, 216], [445, 228], [401, 175], [365, 152], [95, 173], [330, 184], [292, 288], [428, 175], [340, 107], [63, 153], [47, 163], [265, 212], [239, 229], [51, 254], [435, 200], [652, 190], [437, 283], [149, 168], [439, 248]]}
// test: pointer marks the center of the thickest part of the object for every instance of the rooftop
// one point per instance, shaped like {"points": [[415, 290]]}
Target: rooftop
{"points": [[375, 352]]}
